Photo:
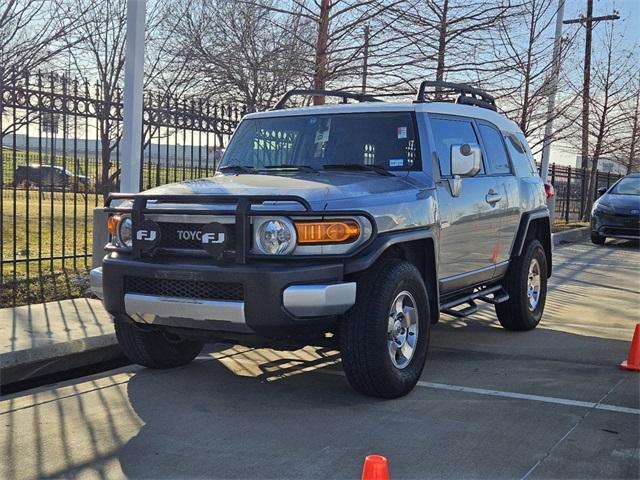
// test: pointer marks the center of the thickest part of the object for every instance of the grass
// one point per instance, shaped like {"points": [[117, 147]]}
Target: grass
{"points": [[562, 227], [44, 225]]}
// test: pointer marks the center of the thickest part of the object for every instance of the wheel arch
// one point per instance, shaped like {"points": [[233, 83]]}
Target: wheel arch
{"points": [[417, 247], [536, 224]]}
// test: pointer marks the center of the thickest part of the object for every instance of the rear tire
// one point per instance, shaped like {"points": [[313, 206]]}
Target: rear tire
{"points": [[384, 338], [597, 239], [152, 347], [526, 284]]}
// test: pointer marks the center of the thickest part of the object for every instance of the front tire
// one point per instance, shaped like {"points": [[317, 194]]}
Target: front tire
{"points": [[526, 284], [597, 238], [384, 338], [152, 346]]}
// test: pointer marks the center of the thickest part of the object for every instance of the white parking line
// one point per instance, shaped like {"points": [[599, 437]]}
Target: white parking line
{"points": [[535, 398], [518, 396]]}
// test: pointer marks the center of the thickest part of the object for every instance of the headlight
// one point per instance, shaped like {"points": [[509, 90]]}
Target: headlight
{"points": [[275, 236], [120, 228], [602, 208], [124, 235]]}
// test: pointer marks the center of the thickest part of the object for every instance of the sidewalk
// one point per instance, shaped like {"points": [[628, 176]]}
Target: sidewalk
{"points": [[42, 339]]}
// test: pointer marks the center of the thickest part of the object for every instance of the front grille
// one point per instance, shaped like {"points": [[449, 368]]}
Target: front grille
{"points": [[169, 237], [184, 288], [634, 232]]}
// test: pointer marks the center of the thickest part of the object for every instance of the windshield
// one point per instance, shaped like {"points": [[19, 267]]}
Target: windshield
{"points": [[627, 186], [371, 141]]}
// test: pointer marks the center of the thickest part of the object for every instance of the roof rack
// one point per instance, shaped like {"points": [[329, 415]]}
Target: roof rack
{"points": [[466, 94], [325, 93]]}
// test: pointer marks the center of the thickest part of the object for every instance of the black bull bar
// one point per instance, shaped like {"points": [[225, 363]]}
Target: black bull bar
{"points": [[243, 211]]}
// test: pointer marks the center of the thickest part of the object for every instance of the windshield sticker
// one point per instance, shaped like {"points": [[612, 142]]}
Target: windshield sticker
{"points": [[402, 132], [396, 162], [322, 134]]}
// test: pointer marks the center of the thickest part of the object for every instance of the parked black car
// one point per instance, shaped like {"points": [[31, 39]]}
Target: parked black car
{"points": [[616, 214], [48, 176]]}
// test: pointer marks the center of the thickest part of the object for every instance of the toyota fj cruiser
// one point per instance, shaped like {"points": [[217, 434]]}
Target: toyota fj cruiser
{"points": [[354, 224]]}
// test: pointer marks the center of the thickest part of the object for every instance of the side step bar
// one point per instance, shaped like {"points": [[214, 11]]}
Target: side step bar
{"points": [[495, 294]]}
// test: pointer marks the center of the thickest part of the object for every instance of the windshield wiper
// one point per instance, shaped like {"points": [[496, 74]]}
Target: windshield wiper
{"points": [[237, 169], [358, 166], [306, 168]]}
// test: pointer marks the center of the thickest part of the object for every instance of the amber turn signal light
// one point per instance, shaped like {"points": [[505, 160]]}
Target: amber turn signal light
{"points": [[330, 231], [112, 224]]}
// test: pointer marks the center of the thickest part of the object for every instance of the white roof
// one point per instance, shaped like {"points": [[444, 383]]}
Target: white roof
{"points": [[444, 108]]}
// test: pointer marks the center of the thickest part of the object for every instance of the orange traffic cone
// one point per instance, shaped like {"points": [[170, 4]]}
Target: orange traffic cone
{"points": [[375, 468], [633, 359]]}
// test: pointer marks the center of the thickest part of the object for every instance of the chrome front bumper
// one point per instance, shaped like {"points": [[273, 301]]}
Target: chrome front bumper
{"points": [[178, 307], [319, 300], [95, 282]]}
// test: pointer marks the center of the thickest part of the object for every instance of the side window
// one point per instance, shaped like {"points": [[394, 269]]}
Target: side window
{"points": [[520, 156], [498, 161], [448, 132]]}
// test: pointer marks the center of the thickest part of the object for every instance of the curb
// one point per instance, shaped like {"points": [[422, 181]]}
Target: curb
{"points": [[569, 236], [33, 364]]}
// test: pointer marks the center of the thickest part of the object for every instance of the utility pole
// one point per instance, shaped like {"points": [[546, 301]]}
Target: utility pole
{"points": [[588, 23], [553, 90], [365, 65]]}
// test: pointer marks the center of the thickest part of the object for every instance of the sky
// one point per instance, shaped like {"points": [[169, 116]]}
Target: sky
{"points": [[628, 26]]}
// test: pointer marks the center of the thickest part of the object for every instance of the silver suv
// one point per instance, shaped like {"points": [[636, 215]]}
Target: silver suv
{"points": [[352, 225]]}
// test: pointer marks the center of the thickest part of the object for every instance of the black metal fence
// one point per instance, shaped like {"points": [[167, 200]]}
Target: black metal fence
{"points": [[570, 185], [61, 153]]}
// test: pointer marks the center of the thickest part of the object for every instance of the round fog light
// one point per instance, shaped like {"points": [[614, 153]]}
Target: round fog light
{"points": [[276, 236]]}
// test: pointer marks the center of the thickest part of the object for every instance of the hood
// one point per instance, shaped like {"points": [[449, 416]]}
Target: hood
{"points": [[314, 187], [620, 203]]}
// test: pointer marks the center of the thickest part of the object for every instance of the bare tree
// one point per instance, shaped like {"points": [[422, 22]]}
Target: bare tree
{"points": [[32, 34], [453, 39], [96, 55], [633, 115], [241, 52], [524, 53], [612, 86], [338, 40]]}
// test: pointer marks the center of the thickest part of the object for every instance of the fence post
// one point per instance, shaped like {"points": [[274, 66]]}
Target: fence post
{"points": [[553, 174], [595, 190], [568, 196], [608, 179]]}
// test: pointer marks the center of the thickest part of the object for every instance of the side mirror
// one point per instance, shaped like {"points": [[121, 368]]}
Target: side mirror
{"points": [[466, 159], [602, 191]]}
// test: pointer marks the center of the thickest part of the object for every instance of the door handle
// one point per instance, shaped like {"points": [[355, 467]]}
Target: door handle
{"points": [[492, 197]]}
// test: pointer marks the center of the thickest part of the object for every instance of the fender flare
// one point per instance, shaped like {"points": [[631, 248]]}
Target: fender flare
{"points": [[386, 240], [523, 229]]}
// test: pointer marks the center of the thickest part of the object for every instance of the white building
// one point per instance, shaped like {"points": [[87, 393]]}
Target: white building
{"points": [[605, 165]]}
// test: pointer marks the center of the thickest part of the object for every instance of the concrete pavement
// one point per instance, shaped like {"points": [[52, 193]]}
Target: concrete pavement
{"points": [[51, 337], [550, 403]]}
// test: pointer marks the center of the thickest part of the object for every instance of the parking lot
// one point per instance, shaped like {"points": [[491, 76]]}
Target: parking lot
{"points": [[550, 403]]}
